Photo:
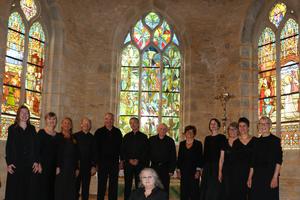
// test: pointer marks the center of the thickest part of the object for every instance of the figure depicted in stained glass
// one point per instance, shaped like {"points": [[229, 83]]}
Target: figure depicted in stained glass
{"points": [[277, 13], [29, 8]]}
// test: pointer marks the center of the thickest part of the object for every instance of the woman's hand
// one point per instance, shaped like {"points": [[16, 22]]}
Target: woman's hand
{"points": [[274, 182], [178, 174], [220, 176], [35, 167], [10, 168], [93, 171], [40, 168], [249, 182], [77, 172], [57, 170], [197, 174]]}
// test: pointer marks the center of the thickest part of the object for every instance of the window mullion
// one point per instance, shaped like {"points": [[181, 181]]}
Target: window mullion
{"points": [[24, 70], [278, 85]]}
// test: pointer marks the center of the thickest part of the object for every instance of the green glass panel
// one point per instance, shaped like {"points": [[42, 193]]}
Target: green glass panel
{"points": [[15, 45], [150, 104], [267, 107], [151, 58], [290, 79], [290, 108], [29, 8], [171, 104], [151, 79], [171, 57], [6, 121], [141, 35], [289, 50], [129, 78], [124, 124], [277, 13], [152, 20], [267, 84], [162, 35], [129, 103], [34, 77], [171, 80], [149, 125], [15, 22], [10, 100], [174, 124], [12, 74], [33, 101], [130, 56], [36, 32]]}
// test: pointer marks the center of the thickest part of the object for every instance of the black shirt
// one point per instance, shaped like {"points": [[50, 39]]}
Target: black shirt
{"points": [[156, 194], [85, 147], [108, 144], [212, 148], [135, 146]]}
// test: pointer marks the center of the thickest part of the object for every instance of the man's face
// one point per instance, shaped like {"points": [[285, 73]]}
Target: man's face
{"points": [[162, 130]]}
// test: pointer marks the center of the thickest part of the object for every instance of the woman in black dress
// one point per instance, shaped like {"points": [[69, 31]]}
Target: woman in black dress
{"points": [[226, 163], [243, 148], [48, 154], [67, 163], [265, 166], [150, 187], [189, 164], [210, 188], [21, 157]]}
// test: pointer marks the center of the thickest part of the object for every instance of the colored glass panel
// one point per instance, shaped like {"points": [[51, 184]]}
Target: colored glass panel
{"points": [[151, 80], [36, 32], [162, 35], [267, 50], [290, 79], [124, 125], [10, 99], [267, 84], [33, 100], [170, 104], [127, 39], [174, 124], [36, 53], [12, 74], [15, 22], [151, 58], [171, 57], [267, 107], [150, 104], [277, 13], [129, 78], [175, 39], [141, 35], [290, 136], [34, 78], [129, 103], [290, 28], [130, 56], [267, 36], [36, 124], [152, 20], [171, 80], [15, 44], [149, 125], [290, 107], [6, 121], [289, 50], [29, 8]]}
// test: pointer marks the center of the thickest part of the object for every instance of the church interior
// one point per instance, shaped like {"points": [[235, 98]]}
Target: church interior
{"points": [[179, 62]]}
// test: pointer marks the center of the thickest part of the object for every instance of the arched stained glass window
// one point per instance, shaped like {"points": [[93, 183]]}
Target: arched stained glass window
{"points": [[22, 78], [282, 108], [150, 76]]}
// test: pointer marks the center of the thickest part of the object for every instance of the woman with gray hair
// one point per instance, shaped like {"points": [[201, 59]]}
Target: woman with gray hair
{"points": [[150, 187]]}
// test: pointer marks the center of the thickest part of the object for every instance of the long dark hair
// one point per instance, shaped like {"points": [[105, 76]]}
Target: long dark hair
{"points": [[17, 119]]}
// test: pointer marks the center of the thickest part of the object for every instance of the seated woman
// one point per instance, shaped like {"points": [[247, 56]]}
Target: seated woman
{"points": [[150, 187]]}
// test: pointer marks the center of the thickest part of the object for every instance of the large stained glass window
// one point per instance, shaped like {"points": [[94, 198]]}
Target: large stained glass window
{"points": [[150, 76], [22, 78], [280, 74]]}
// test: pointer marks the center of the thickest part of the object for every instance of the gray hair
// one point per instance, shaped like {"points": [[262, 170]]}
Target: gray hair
{"points": [[157, 181], [266, 119]]}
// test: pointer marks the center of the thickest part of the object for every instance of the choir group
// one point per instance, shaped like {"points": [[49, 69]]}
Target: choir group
{"points": [[48, 165]]}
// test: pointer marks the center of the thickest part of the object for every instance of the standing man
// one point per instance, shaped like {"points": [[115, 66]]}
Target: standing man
{"points": [[87, 165], [163, 155], [135, 154], [108, 141]]}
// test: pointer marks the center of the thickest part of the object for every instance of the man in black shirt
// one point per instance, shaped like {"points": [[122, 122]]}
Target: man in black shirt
{"points": [[108, 141], [135, 155], [87, 165], [163, 155]]}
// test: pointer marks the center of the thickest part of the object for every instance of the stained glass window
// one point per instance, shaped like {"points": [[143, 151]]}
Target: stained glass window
{"points": [[150, 76], [22, 83], [284, 105]]}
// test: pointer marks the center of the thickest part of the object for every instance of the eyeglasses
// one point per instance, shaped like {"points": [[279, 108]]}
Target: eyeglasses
{"points": [[146, 177], [263, 124]]}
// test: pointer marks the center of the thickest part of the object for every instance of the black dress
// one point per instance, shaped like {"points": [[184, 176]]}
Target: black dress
{"points": [[243, 155], [68, 163], [210, 188], [156, 194], [48, 155], [266, 154], [21, 151], [189, 160]]}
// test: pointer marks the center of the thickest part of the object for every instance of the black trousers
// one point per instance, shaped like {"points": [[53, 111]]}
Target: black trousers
{"points": [[83, 181], [189, 187], [163, 174], [131, 172], [108, 171]]}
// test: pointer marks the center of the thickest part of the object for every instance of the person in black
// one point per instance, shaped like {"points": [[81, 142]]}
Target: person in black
{"points": [[227, 162], [108, 141], [150, 187], [21, 157], [266, 163], [48, 155], [210, 188], [85, 142], [163, 155], [242, 148], [189, 164], [135, 149], [67, 163]]}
